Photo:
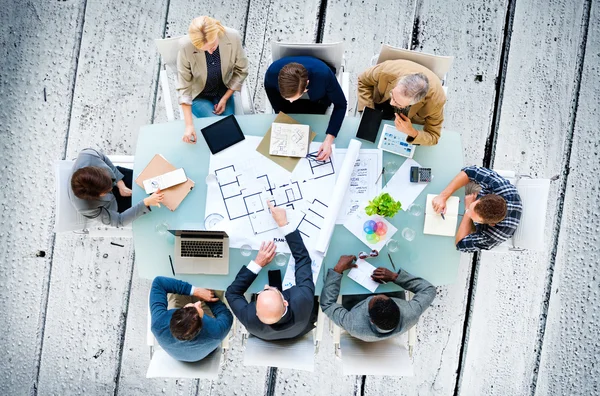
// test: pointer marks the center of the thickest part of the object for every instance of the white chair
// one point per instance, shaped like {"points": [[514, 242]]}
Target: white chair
{"points": [[438, 64], [168, 49], [67, 218], [534, 196], [298, 353], [392, 356], [162, 365], [330, 53]]}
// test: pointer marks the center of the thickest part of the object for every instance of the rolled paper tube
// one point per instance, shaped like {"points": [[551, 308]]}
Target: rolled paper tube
{"points": [[339, 190]]}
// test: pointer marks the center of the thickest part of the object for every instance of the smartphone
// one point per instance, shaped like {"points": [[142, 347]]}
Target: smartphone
{"points": [[275, 279]]}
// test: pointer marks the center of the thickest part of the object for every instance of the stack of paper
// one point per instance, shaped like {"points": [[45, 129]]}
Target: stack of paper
{"points": [[362, 275], [435, 224]]}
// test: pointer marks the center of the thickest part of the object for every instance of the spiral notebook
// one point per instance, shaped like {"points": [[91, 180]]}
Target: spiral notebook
{"points": [[435, 224]]}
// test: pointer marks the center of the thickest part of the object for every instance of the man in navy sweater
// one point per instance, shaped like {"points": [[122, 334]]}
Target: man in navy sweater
{"points": [[276, 314], [307, 85], [187, 333]]}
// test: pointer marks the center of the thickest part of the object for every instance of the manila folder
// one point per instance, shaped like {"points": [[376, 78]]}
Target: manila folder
{"points": [[173, 195]]}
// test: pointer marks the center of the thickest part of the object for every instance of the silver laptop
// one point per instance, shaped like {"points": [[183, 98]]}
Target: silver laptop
{"points": [[201, 252]]}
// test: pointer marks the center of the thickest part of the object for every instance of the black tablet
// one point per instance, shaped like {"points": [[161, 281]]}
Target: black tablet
{"points": [[222, 134], [369, 124]]}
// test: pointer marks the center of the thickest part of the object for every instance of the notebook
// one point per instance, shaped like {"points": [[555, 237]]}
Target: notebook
{"points": [[362, 275], [289, 140], [435, 224], [222, 134], [288, 163], [394, 141], [369, 124], [173, 196], [165, 181]]}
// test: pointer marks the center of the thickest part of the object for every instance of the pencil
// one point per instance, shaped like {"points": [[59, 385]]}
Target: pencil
{"points": [[171, 261], [391, 261], [443, 218]]}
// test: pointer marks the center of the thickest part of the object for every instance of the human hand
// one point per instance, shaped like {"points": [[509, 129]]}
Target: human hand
{"points": [[439, 204], [278, 213], [265, 253], [345, 263], [205, 294], [154, 199], [404, 125], [325, 150], [469, 199], [190, 134], [383, 275], [219, 108], [124, 191]]}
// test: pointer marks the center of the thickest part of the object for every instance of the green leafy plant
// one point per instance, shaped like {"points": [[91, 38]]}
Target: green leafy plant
{"points": [[383, 205]]}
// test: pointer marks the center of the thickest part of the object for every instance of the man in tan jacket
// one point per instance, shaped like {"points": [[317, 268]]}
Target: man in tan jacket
{"points": [[411, 91]]}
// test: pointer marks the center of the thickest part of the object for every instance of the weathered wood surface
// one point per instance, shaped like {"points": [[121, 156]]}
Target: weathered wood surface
{"points": [[35, 97], [569, 361], [115, 92], [531, 139]]}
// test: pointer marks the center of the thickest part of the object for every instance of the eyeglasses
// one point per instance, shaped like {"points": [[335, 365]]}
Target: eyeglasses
{"points": [[364, 255], [277, 290]]}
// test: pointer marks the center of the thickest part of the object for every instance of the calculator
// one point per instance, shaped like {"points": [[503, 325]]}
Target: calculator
{"points": [[420, 175]]}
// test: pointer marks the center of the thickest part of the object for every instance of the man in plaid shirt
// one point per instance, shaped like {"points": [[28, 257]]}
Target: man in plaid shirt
{"points": [[491, 216]]}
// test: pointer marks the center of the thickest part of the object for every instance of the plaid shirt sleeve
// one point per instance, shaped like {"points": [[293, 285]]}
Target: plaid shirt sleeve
{"points": [[473, 242], [490, 181]]}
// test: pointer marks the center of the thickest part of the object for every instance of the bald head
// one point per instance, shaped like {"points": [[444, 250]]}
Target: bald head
{"points": [[270, 306]]}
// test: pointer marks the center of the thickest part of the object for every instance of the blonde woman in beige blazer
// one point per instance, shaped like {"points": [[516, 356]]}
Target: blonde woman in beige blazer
{"points": [[210, 67]]}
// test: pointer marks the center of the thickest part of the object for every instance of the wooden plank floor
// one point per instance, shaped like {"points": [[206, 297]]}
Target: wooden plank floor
{"points": [[523, 93]]}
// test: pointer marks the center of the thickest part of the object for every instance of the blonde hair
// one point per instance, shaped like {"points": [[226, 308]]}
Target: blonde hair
{"points": [[203, 30]]}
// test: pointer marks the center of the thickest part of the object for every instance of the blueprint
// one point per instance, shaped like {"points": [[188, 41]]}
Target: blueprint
{"points": [[245, 180]]}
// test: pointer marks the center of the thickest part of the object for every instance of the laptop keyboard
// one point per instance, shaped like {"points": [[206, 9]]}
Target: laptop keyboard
{"points": [[209, 249]]}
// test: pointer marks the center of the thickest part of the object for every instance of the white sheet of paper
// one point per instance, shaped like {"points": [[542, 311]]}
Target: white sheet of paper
{"points": [[289, 279], [400, 187], [362, 275], [363, 185], [355, 225], [290, 140], [435, 224]]}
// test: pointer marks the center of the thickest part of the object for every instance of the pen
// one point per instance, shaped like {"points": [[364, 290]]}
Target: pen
{"points": [[171, 261], [443, 218], [382, 170], [391, 261]]}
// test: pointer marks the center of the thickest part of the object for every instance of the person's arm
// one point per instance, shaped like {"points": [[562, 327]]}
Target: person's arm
{"points": [[161, 286], [331, 290], [439, 202], [336, 96], [115, 219], [367, 82], [240, 66], [184, 92], [304, 280], [424, 292], [272, 90], [223, 317], [434, 118]]}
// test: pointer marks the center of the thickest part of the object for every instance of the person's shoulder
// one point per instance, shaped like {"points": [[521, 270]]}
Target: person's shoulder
{"points": [[232, 34]]}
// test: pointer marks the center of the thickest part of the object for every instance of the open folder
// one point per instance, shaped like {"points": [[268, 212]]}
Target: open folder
{"points": [[435, 224], [288, 163], [174, 195]]}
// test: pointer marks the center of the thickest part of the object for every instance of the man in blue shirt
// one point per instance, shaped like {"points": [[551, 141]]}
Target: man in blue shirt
{"points": [[187, 333], [307, 85], [491, 215]]}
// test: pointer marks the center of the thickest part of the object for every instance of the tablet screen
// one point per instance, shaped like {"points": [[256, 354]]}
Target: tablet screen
{"points": [[222, 134]]}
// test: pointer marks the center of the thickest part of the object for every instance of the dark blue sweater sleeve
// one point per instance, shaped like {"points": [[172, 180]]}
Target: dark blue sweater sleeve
{"points": [[272, 88], [304, 291], [223, 318], [336, 95], [161, 286]]}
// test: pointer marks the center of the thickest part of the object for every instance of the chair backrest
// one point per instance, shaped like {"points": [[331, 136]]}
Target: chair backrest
{"points": [[385, 357], [297, 353], [164, 366], [168, 49], [436, 63], [330, 53], [532, 227], [67, 217]]}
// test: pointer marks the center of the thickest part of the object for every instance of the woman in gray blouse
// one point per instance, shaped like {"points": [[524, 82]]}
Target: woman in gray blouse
{"points": [[101, 190], [211, 65]]}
